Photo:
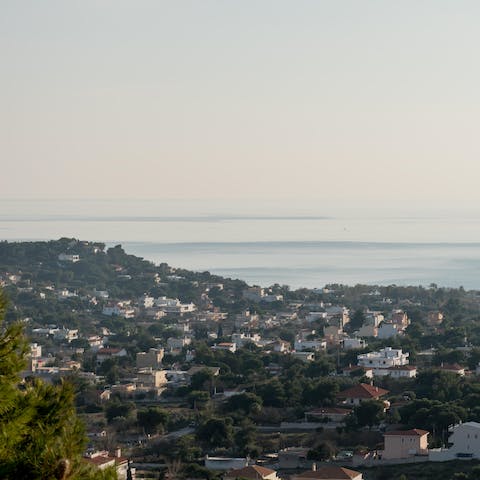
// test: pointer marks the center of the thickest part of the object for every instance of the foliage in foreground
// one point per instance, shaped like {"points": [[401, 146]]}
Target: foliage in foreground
{"points": [[40, 434]]}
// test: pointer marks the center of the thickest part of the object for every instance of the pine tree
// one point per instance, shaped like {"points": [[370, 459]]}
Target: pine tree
{"points": [[40, 435]]}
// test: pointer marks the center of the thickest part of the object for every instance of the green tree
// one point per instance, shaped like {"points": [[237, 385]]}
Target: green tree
{"points": [[216, 432], [323, 451], [244, 403], [40, 434], [116, 409], [152, 419], [369, 413]]}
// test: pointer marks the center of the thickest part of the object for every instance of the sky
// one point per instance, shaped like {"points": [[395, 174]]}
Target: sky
{"points": [[335, 102]]}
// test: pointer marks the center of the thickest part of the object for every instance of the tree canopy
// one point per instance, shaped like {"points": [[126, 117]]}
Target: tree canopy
{"points": [[40, 434]]}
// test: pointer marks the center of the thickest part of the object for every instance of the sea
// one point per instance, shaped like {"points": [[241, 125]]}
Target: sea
{"points": [[267, 243]]}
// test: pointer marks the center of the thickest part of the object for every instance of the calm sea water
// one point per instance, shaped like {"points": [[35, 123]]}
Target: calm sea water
{"points": [[308, 248]]}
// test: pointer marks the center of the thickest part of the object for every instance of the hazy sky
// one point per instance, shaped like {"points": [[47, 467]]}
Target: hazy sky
{"points": [[332, 101]]}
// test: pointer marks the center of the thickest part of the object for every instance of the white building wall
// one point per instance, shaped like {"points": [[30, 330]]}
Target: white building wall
{"points": [[465, 438]]}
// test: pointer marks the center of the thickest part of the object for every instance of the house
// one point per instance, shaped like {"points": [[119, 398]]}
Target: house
{"points": [[400, 319], [405, 443], [151, 359], [312, 345], [121, 309], [103, 460], [105, 353], [258, 294], [66, 334], [95, 341], [148, 378], [382, 360], [465, 441], [361, 392], [252, 472], [328, 472], [241, 339], [403, 371], [145, 301], [337, 315]]}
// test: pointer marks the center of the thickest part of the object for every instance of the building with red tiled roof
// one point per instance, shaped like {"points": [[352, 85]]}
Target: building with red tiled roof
{"points": [[252, 472], [405, 443], [102, 460], [329, 472], [361, 392]]}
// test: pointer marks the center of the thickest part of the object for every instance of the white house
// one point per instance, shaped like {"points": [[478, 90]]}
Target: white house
{"points": [[382, 360], [65, 257], [465, 440], [174, 305], [403, 371], [316, 345]]}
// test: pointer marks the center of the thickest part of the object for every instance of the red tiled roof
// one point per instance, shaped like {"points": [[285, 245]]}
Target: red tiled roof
{"points": [[253, 471], [330, 472], [100, 460], [409, 433], [363, 390], [108, 351]]}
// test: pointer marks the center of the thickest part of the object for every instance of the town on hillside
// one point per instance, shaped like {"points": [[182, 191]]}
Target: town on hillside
{"points": [[188, 375]]}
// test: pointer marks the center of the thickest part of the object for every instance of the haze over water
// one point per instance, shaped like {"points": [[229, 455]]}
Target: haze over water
{"points": [[302, 246]]}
